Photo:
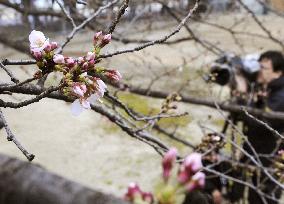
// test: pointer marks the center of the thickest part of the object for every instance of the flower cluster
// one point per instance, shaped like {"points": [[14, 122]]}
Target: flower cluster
{"points": [[187, 179], [136, 195], [82, 79]]}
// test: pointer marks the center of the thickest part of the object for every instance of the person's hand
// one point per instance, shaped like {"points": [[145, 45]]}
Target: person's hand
{"points": [[217, 196]]}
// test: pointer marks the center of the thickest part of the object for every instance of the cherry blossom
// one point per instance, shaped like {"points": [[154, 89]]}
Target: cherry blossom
{"points": [[197, 181], [168, 162], [37, 41], [58, 59]]}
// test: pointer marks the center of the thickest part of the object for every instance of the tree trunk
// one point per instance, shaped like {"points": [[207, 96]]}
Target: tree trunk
{"points": [[26, 183]]}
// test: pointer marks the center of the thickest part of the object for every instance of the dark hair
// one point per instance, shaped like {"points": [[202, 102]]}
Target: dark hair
{"points": [[276, 58]]}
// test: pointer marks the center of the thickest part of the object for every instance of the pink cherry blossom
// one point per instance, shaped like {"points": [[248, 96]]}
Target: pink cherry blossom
{"points": [[97, 37], [47, 48], [168, 162], [80, 60], [132, 192], [148, 197], [37, 41], [101, 87], [107, 38], [53, 45], [58, 59], [70, 62], [183, 175], [193, 162], [79, 89], [113, 75], [37, 55], [90, 56], [189, 167], [197, 181]]}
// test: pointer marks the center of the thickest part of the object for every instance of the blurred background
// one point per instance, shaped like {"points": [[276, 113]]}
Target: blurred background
{"points": [[92, 150]]}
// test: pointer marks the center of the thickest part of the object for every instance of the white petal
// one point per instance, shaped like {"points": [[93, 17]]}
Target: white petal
{"points": [[85, 104], [93, 98], [76, 108], [77, 90], [35, 37]]}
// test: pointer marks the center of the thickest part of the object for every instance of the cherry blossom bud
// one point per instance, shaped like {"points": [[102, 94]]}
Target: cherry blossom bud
{"points": [[193, 162], [168, 162], [97, 37], [53, 45], [91, 63], [48, 48], [106, 40], [197, 181], [85, 66], [37, 55], [58, 59], [90, 56], [79, 89], [132, 192], [80, 60], [37, 41], [190, 166], [113, 75], [101, 87], [148, 197], [183, 175], [70, 62]]}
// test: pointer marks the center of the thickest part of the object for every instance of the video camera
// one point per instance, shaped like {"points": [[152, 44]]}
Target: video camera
{"points": [[225, 69]]}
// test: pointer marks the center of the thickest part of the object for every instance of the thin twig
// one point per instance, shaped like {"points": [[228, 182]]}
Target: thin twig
{"points": [[11, 137]]}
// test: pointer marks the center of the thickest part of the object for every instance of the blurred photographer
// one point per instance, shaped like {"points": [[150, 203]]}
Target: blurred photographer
{"points": [[264, 142], [258, 82]]}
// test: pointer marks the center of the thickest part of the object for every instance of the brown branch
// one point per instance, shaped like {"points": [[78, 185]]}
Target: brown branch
{"points": [[206, 102], [260, 24], [11, 137], [116, 118], [159, 41], [21, 182], [120, 13]]}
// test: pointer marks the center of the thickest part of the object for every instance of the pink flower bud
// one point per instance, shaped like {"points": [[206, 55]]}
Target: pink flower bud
{"points": [[90, 56], [101, 88], [190, 166], [113, 75], [58, 59], [70, 62], [47, 48], [183, 175], [53, 45], [168, 162], [148, 197], [106, 40], [37, 55], [85, 66], [193, 162], [80, 60], [197, 182], [132, 192], [97, 37], [79, 89]]}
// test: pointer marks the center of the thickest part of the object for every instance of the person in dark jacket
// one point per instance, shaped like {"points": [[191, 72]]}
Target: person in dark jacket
{"points": [[264, 142]]}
